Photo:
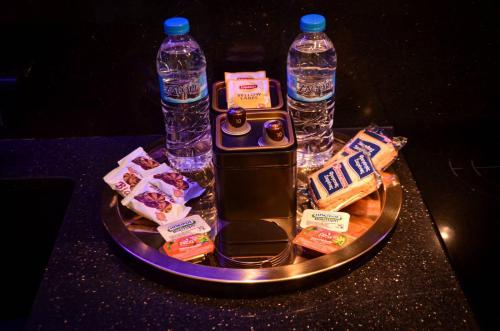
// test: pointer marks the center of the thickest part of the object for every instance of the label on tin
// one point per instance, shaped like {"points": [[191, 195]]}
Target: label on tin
{"points": [[311, 91], [186, 91]]}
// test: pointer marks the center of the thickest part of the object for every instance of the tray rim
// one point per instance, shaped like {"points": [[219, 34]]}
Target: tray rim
{"points": [[392, 198]]}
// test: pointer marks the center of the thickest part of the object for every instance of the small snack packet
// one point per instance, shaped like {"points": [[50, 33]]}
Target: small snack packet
{"points": [[330, 220], [244, 75], [343, 182], [140, 160], [248, 93], [373, 140], [187, 226], [189, 247], [147, 200], [322, 240], [176, 185]]}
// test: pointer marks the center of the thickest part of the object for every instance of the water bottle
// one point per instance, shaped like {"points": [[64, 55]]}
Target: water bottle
{"points": [[311, 66], [181, 68]]}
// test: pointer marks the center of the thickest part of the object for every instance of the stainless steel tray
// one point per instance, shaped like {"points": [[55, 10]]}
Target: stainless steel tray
{"points": [[138, 237]]}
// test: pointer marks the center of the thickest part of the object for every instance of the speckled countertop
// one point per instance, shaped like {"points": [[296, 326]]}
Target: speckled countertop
{"points": [[406, 283]]}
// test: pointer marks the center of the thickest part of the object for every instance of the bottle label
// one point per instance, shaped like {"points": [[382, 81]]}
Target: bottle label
{"points": [[183, 92], [311, 91]]}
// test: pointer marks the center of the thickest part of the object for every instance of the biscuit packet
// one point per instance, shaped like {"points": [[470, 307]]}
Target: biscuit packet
{"points": [[149, 201], [373, 140], [343, 182], [244, 75], [322, 240], [128, 174], [248, 93]]}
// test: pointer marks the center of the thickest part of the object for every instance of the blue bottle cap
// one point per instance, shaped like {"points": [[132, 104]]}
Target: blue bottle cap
{"points": [[176, 26], [312, 23]]}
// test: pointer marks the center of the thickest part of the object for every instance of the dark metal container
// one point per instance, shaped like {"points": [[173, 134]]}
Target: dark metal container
{"points": [[255, 182], [219, 102]]}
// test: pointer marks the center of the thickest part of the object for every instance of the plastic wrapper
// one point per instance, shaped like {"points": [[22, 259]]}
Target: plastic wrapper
{"points": [[189, 247], [374, 141], [140, 160], [149, 201], [126, 176], [322, 240], [174, 184], [343, 182]]}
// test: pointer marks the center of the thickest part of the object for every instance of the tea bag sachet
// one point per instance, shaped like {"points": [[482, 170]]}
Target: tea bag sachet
{"points": [[248, 93], [244, 75]]}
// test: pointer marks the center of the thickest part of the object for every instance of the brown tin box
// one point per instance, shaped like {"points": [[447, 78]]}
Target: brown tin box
{"points": [[252, 181], [219, 102]]}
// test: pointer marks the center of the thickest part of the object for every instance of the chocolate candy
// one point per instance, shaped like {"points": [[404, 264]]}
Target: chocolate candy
{"points": [[236, 117], [274, 130]]}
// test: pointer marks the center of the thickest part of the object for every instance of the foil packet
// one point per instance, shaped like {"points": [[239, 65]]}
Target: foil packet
{"points": [[374, 141], [330, 220], [187, 226], [343, 182], [149, 201]]}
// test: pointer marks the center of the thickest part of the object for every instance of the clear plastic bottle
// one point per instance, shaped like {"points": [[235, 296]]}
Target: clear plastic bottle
{"points": [[181, 68], [311, 67]]}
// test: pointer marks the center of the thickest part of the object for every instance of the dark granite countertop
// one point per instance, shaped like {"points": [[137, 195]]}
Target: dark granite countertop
{"points": [[406, 283]]}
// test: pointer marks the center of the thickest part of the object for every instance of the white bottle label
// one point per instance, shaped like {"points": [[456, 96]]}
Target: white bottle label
{"points": [[173, 91], [311, 91]]}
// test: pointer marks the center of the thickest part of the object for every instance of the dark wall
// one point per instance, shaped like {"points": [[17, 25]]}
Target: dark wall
{"points": [[73, 68]]}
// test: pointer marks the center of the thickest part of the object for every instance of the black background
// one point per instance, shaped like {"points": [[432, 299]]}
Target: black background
{"points": [[87, 68]]}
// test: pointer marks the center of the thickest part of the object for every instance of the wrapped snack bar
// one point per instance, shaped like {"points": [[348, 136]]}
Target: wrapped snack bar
{"points": [[147, 200], [373, 140], [140, 160], [343, 182], [322, 240]]}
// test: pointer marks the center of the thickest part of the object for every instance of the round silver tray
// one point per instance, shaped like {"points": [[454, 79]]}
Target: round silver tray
{"points": [[139, 238]]}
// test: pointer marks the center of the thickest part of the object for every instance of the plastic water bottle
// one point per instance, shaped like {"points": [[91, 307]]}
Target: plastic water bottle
{"points": [[182, 75], [311, 66]]}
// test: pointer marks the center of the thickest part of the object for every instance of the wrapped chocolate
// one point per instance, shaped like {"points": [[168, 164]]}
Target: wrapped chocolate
{"points": [[343, 182], [372, 140], [148, 200], [322, 240], [125, 177], [140, 160], [174, 184]]}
